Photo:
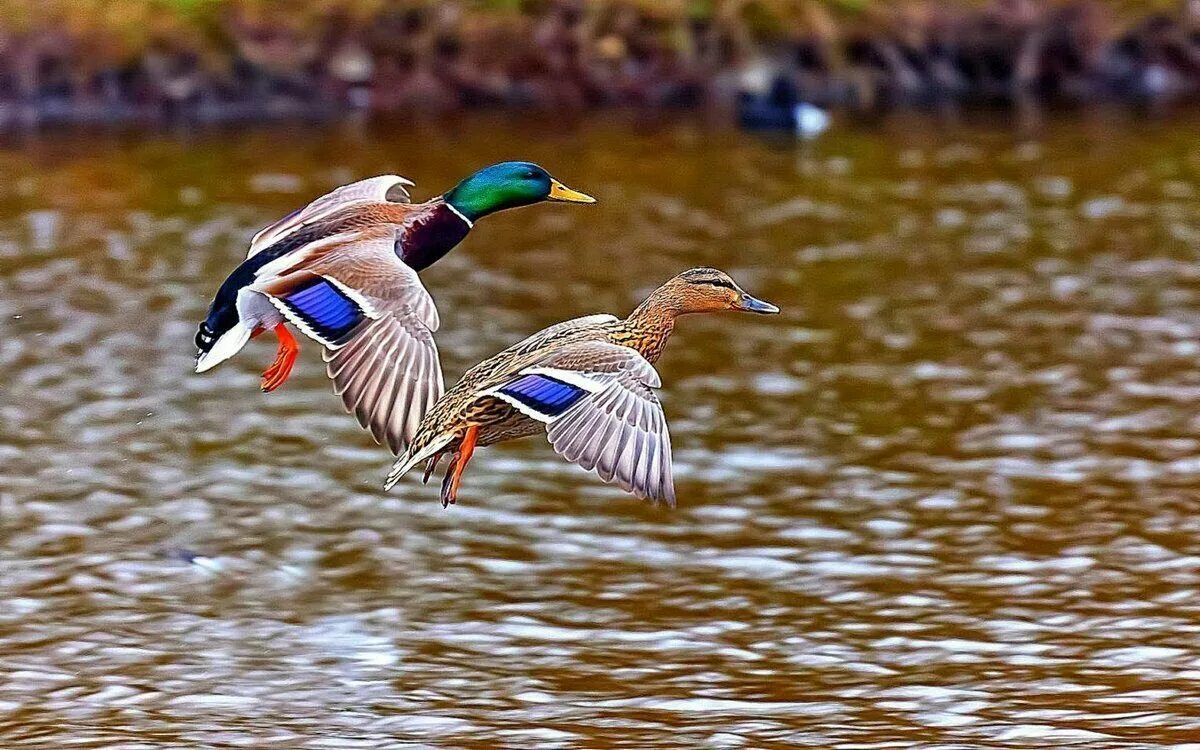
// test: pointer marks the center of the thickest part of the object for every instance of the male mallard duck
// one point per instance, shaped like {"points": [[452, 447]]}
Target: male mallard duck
{"points": [[343, 270], [588, 381]]}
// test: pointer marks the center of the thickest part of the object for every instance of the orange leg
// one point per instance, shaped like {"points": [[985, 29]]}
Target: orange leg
{"points": [[458, 462], [285, 359]]}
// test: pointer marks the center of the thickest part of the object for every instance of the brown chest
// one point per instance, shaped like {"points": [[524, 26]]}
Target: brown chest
{"points": [[426, 239]]}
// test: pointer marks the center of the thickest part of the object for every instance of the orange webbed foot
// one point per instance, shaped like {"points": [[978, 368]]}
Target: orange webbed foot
{"points": [[458, 463], [285, 359]]}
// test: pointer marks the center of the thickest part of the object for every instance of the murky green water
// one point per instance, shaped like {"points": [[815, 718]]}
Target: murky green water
{"points": [[950, 498]]}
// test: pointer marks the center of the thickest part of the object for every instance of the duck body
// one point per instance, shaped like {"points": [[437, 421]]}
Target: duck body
{"points": [[425, 232], [499, 419], [780, 107], [343, 271], [588, 383]]}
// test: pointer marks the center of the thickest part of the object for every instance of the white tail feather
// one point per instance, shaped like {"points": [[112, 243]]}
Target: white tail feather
{"points": [[405, 463]]}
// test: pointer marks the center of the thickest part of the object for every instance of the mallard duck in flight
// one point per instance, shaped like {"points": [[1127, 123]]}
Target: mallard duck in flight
{"points": [[343, 271], [588, 382]]}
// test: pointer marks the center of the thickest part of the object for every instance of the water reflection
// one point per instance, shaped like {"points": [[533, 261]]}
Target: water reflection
{"points": [[948, 497]]}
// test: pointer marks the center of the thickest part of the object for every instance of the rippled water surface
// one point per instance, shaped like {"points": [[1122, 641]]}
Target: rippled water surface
{"points": [[948, 499]]}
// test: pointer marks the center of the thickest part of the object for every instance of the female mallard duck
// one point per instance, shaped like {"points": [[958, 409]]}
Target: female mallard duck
{"points": [[343, 270], [588, 381]]}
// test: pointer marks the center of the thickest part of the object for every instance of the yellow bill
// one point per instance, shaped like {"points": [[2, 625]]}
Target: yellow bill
{"points": [[560, 192]]}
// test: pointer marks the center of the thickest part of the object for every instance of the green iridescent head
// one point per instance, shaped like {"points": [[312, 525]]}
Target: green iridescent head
{"points": [[508, 185]]}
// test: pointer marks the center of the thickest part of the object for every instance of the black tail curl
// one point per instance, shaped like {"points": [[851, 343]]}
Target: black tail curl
{"points": [[205, 338]]}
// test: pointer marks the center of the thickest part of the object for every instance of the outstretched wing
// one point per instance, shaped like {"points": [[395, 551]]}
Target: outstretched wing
{"points": [[385, 188], [376, 321], [597, 401]]}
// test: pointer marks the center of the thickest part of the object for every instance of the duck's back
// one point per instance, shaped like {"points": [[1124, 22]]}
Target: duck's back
{"points": [[222, 312], [496, 369], [468, 400]]}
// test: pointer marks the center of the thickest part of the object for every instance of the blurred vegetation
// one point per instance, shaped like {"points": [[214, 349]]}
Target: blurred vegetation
{"points": [[134, 58], [131, 23]]}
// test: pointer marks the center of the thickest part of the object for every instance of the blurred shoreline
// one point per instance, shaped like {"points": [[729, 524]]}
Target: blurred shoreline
{"points": [[160, 62]]}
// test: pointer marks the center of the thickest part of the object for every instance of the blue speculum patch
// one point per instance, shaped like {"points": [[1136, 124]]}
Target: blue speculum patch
{"points": [[544, 394], [325, 308]]}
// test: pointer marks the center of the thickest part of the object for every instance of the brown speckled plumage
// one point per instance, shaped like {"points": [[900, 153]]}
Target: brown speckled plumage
{"points": [[617, 354], [498, 420]]}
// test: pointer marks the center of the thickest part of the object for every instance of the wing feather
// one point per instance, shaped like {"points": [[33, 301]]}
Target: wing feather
{"points": [[389, 395], [616, 429], [359, 381], [386, 367], [379, 375], [385, 188], [400, 363]]}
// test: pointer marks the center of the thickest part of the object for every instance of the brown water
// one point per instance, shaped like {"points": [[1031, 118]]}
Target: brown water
{"points": [[948, 499]]}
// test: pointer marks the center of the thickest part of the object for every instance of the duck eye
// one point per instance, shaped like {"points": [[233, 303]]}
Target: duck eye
{"points": [[530, 175], [715, 282]]}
